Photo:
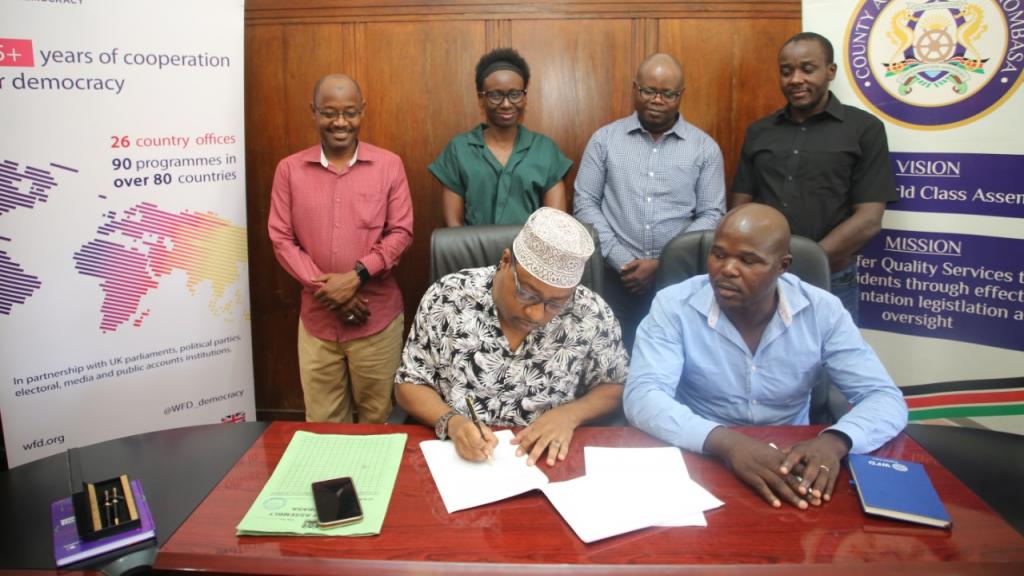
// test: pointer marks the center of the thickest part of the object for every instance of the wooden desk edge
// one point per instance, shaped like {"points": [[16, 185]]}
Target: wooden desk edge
{"points": [[175, 563]]}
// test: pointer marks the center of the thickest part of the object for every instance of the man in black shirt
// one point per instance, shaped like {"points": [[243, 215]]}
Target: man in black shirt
{"points": [[823, 164]]}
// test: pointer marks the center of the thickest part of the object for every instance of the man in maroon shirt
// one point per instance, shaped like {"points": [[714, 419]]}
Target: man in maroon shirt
{"points": [[340, 218]]}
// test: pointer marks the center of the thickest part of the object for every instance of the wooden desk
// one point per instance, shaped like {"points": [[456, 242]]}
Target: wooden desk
{"points": [[525, 535]]}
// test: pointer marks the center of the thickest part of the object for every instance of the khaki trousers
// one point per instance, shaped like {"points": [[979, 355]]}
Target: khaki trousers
{"points": [[333, 374]]}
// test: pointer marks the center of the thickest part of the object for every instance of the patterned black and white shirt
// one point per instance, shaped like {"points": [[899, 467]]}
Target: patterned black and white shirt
{"points": [[456, 346]]}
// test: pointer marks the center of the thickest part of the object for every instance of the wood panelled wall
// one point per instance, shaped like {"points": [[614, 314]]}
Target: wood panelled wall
{"points": [[415, 60]]}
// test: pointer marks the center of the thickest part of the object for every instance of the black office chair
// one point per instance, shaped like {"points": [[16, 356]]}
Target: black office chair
{"points": [[686, 255], [453, 249]]}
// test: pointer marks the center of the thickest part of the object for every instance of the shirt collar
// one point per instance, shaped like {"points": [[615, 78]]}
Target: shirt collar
{"points": [[524, 138], [791, 301], [325, 163], [490, 309], [488, 295], [785, 312], [680, 128], [833, 108]]}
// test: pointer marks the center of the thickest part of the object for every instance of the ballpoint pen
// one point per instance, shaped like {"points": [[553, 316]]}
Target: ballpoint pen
{"points": [[476, 422], [106, 506], [117, 510]]}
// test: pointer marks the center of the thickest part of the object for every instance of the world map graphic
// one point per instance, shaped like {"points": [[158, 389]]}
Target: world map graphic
{"points": [[132, 251]]}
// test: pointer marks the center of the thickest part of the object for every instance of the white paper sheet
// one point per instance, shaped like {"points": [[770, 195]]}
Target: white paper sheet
{"points": [[464, 484], [659, 478], [599, 507]]}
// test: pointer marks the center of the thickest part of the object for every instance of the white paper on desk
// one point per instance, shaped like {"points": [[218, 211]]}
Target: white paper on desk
{"points": [[661, 478], [598, 507], [464, 484]]}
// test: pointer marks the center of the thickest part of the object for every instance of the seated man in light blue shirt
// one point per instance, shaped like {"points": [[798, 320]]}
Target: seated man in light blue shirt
{"points": [[743, 346]]}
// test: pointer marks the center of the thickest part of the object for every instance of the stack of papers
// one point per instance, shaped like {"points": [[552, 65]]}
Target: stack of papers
{"points": [[285, 505], [624, 489]]}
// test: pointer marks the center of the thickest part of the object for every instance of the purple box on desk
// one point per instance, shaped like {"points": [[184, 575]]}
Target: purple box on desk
{"points": [[69, 548]]}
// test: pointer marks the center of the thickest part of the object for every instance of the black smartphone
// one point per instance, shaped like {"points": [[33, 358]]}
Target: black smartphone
{"points": [[337, 503]]}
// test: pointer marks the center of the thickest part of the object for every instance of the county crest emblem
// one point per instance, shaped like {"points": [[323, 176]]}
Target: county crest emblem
{"points": [[936, 63]]}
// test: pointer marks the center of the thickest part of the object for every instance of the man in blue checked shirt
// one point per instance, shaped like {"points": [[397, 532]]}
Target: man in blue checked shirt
{"points": [[643, 180], [744, 345]]}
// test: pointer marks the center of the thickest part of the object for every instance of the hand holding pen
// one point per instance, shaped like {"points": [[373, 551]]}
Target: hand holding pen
{"points": [[474, 443]]}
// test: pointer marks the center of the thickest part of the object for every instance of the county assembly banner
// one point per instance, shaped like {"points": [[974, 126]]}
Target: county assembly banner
{"points": [[124, 304], [942, 286]]}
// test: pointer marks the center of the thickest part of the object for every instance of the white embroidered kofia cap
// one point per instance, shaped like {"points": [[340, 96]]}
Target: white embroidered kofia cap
{"points": [[554, 247]]}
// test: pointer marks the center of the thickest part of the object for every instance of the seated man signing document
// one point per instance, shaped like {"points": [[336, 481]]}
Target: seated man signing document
{"points": [[522, 341], [743, 346]]}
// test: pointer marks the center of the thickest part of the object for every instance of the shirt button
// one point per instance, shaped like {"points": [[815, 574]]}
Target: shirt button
{"points": [[803, 128], [648, 198], [789, 177], [753, 401], [753, 368], [651, 174], [647, 227], [796, 151], [655, 150]]}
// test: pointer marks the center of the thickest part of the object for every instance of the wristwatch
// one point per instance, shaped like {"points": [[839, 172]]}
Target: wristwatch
{"points": [[441, 426], [362, 272]]}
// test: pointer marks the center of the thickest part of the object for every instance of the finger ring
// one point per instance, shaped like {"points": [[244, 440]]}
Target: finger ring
{"points": [[555, 443], [825, 468], [350, 317]]}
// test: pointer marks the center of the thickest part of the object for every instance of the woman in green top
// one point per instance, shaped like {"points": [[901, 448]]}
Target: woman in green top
{"points": [[500, 172]]}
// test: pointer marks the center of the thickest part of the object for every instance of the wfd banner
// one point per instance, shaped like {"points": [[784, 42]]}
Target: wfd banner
{"points": [[124, 304], [942, 286]]}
